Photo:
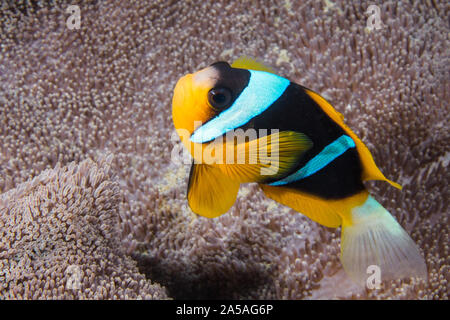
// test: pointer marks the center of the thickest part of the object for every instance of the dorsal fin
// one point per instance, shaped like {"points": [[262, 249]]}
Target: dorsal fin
{"points": [[370, 169], [244, 62]]}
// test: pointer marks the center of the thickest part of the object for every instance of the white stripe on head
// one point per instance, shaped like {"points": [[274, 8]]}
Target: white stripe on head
{"points": [[262, 91]]}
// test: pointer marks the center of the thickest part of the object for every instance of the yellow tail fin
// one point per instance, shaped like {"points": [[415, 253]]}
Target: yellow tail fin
{"points": [[372, 237]]}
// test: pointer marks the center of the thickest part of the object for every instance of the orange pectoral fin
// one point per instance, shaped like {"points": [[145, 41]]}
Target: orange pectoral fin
{"points": [[370, 169], [266, 157], [330, 213], [210, 192]]}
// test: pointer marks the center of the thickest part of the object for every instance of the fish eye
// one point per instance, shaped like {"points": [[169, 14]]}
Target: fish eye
{"points": [[219, 98]]}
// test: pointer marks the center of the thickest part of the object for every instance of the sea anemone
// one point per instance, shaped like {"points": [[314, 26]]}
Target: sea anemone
{"points": [[67, 96]]}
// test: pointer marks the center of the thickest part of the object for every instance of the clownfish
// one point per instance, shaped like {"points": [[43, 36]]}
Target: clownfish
{"points": [[300, 152]]}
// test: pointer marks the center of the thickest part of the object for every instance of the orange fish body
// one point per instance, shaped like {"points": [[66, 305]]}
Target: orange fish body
{"points": [[242, 123]]}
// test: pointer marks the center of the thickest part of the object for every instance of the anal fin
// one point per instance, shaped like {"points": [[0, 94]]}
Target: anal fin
{"points": [[329, 213]]}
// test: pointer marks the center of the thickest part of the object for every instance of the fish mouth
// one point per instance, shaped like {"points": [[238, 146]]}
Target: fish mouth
{"points": [[180, 91], [183, 102]]}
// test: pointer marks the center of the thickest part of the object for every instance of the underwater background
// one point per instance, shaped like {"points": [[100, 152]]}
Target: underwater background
{"points": [[93, 207]]}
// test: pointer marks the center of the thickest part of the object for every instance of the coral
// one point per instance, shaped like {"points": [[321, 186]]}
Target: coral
{"points": [[67, 95], [59, 239]]}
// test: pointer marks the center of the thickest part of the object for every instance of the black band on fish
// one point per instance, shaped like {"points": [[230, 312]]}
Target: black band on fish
{"points": [[321, 160]]}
